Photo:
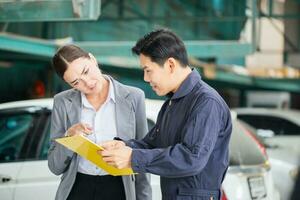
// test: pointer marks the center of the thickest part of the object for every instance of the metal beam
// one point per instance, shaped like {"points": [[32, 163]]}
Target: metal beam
{"points": [[27, 45], [49, 10], [213, 49], [280, 16], [107, 48], [40, 47], [201, 49], [253, 30], [281, 84]]}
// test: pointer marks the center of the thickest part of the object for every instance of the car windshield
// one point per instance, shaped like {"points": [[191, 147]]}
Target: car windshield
{"points": [[13, 128], [278, 125], [243, 148]]}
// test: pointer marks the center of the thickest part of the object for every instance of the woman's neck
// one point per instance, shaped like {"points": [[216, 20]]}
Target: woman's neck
{"points": [[97, 99]]}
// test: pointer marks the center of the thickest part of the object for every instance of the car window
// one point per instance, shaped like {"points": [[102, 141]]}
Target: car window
{"points": [[255, 121], [244, 150], [46, 140], [278, 125], [290, 128], [13, 131]]}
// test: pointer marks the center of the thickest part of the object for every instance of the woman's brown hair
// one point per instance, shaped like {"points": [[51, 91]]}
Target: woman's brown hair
{"points": [[66, 55]]}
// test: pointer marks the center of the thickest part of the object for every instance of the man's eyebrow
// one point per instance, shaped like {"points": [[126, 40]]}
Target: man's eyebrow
{"points": [[80, 74]]}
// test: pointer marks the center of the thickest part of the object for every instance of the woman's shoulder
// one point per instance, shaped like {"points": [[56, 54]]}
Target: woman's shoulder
{"points": [[64, 94], [131, 90], [135, 90]]}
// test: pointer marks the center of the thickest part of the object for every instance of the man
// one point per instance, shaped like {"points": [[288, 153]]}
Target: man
{"points": [[188, 146]]}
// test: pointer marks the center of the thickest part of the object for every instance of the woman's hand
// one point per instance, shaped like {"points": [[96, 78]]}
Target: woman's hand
{"points": [[79, 129]]}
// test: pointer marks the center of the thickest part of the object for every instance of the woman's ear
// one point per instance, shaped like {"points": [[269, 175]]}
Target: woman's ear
{"points": [[93, 58]]}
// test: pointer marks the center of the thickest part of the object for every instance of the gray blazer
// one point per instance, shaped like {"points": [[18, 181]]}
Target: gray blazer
{"points": [[131, 124]]}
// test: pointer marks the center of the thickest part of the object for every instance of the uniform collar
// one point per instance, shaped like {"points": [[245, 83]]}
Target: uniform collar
{"points": [[187, 85]]}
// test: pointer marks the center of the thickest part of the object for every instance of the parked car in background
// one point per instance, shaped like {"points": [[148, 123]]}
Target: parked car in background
{"points": [[279, 131], [24, 143], [279, 127]]}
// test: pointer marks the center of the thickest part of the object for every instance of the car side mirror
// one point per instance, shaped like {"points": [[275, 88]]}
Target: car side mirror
{"points": [[265, 133]]}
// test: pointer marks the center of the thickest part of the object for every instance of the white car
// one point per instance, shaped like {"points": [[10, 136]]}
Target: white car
{"points": [[279, 130], [279, 127], [24, 142]]}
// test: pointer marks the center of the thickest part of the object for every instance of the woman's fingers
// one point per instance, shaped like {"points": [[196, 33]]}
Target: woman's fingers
{"points": [[86, 129], [79, 129]]}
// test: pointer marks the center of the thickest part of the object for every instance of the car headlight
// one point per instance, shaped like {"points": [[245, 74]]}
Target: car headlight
{"points": [[294, 173]]}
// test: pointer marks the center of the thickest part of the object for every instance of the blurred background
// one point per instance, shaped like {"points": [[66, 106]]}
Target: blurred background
{"points": [[239, 46], [248, 50]]}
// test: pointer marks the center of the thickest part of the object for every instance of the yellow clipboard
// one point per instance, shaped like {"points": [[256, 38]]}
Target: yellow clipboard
{"points": [[88, 149]]}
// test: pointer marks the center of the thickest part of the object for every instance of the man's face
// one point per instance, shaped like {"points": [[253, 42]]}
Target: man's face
{"points": [[84, 75], [159, 77]]}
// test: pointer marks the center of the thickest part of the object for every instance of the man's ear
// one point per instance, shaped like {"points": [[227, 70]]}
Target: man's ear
{"points": [[172, 64]]}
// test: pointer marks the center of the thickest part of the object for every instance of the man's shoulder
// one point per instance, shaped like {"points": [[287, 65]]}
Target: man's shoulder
{"points": [[205, 93]]}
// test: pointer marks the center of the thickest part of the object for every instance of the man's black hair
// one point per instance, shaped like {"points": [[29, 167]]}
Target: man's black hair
{"points": [[160, 45]]}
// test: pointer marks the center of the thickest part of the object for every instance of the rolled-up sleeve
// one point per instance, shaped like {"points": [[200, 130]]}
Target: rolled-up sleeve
{"points": [[189, 157]]}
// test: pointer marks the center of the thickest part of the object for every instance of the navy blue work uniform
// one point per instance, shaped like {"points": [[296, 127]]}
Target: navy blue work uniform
{"points": [[188, 146]]}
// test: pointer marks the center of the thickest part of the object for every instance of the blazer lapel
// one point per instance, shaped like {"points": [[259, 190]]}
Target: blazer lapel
{"points": [[74, 107], [124, 112]]}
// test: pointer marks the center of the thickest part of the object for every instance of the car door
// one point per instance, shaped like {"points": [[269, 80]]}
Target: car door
{"points": [[8, 176], [35, 179], [15, 128]]}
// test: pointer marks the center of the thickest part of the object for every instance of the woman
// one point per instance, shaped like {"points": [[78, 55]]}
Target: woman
{"points": [[100, 108]]}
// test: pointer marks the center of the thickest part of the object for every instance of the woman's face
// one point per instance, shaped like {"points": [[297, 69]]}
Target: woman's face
{"points": [[84, 75]]}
